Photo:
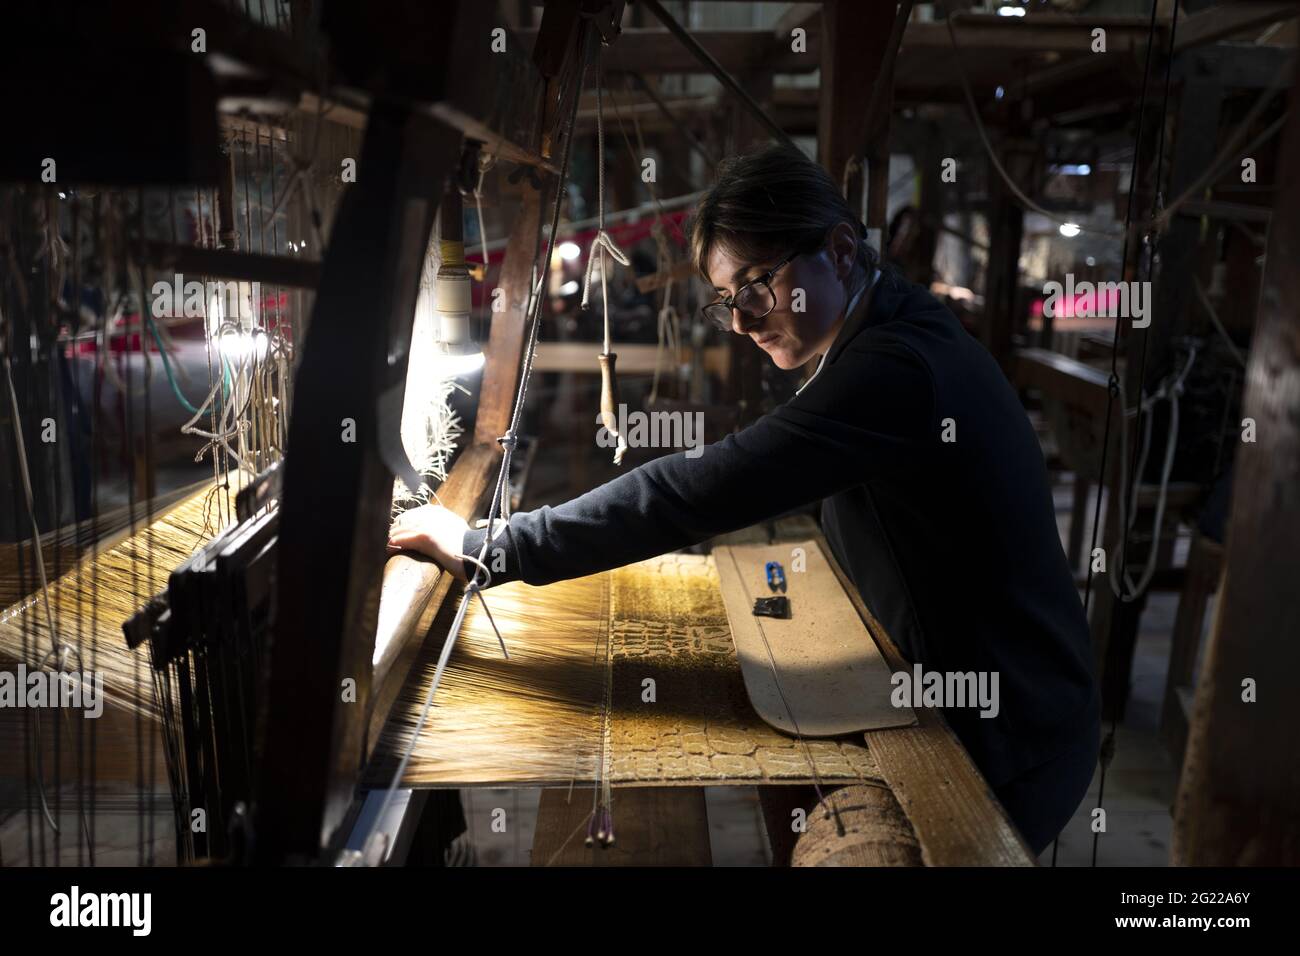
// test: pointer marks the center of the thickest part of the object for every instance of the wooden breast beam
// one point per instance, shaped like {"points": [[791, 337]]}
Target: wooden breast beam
{"points": [[957, 819]]}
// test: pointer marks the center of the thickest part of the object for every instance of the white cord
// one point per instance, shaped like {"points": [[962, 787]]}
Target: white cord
{"points": [[603, 242], [485, 162], [1171, 389]]}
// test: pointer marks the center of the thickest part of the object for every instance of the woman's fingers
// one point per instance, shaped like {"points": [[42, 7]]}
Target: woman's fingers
{"points": [[431, 530], [400, 540]]}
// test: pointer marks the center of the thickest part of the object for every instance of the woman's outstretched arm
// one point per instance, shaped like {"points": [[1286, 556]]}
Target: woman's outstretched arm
{"points": [[869, 412]]}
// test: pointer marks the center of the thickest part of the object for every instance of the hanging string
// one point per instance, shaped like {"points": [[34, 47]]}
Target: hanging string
{"points": [[602, 244], [476, 584], [1171, 390], [1114, 386], [58, 651], [486, 161], [669, 321]]}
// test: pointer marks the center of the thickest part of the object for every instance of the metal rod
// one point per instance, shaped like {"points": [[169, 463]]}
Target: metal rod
{"points": [[716, 68]]}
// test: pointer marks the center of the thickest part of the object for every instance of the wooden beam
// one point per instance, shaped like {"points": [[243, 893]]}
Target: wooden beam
{"points": [[1221, 22], [676, 123], [1076, 384], [797, 15], [955, 814], [1006, 232], [653, 51], [228, 264], [633, 358], [679, 270], [657, 52], [353, 111], [506, 338], [879, 110], [1039, 33], [415, 587], [711, 65], [1241, 780], [326, 609], [850, 68]]}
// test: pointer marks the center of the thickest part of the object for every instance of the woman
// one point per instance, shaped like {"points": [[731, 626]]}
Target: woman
{"points": [[934, 495]]}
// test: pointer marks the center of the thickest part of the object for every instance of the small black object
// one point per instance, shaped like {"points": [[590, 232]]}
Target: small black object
{"points": [[778, 606]]}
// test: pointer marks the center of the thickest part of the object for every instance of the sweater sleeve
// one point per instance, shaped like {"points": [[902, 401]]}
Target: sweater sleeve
{"points": [[869, 413]]}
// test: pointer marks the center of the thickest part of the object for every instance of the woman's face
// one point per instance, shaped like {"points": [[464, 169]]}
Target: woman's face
{"points": [[810, 297]]}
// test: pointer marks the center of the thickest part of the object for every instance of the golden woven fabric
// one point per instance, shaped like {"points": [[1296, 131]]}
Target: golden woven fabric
{"points": [[538, 719]]}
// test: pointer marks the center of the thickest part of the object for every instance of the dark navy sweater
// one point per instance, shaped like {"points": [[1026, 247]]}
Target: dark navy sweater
{"points": [[952, 543]]}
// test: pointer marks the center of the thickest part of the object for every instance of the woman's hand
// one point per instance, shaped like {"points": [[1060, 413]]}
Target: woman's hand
{"points": [[434, 531]]}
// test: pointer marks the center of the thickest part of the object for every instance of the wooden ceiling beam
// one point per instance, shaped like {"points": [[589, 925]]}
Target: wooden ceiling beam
{"points": [[1219, 23], [656, 51]]}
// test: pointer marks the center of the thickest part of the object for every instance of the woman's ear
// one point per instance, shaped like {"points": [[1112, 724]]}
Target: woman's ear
{"points": [[843, 249]]}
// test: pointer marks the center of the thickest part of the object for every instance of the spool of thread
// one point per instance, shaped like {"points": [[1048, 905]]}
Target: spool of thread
{"points": [[451, 252]]}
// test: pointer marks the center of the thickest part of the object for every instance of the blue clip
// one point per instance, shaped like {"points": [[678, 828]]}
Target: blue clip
{"points": [[775, 576]]}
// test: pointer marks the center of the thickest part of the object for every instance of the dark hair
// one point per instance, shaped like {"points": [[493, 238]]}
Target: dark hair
{"points": [[768, 202]]}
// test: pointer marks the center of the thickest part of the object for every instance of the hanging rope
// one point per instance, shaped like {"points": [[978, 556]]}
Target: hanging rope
{"points": [[1171, 390], [600, 245], [669, 321]]}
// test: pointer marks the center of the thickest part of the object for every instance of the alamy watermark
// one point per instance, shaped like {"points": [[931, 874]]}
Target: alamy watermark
{"points": [[655, 430], [946, 689], [41, 688], [1096, 300], [75, 908], [194, 299]]}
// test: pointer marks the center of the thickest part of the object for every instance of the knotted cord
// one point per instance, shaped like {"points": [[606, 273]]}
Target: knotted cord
{"points": [[603, 243]]}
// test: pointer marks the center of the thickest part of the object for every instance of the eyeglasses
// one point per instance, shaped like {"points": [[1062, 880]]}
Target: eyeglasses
{"points": [[754, 299]]}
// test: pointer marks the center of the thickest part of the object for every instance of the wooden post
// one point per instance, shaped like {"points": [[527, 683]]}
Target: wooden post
{"points": [[853, 47], [1194, 148], [328, 604], [1002, 281], [1115, 624], [505, 340], [1241, 776]]}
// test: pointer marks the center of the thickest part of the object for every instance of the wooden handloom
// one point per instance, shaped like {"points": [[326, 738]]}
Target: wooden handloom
{"points": [[538, 719], [345, 614], [666, 620]]}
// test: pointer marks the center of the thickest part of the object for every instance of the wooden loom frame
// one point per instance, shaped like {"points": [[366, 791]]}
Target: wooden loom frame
{"points": [[327, 593], [306, 798], [307, 778]]}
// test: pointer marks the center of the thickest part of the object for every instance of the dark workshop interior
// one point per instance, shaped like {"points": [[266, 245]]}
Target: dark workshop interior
{"points": [[649, 433]]}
